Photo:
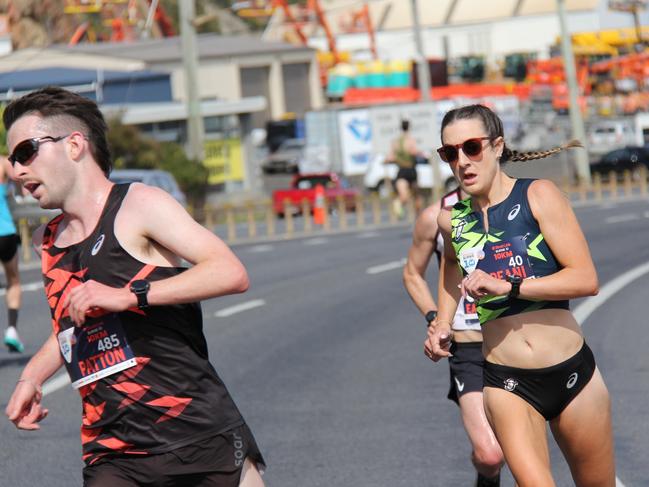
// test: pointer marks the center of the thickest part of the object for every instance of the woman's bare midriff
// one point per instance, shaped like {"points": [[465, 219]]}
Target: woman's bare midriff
{"points": [[467, 336], [532, 340]]}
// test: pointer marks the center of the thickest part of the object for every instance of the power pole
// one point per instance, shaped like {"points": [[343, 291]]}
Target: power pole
{"points": [[576, 120], [423, 75], [195, 129]]}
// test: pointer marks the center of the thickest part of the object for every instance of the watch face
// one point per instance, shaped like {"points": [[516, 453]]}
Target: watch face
{"points": [[140, 286], [515, 279], [431, 315]]}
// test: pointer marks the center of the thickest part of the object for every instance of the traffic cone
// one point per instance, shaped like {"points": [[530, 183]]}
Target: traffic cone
{"points": [[319, 210]]}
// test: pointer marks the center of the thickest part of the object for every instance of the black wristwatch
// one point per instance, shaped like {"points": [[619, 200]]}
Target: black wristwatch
{"points": [[140, 288], [515, 281], [430, 317]]}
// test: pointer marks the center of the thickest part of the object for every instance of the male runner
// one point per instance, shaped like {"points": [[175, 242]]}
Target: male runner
{"points": [[126, 318], [466, 363]]}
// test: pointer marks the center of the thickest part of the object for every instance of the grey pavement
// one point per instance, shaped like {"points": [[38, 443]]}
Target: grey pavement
{"points": [[325, 360]]}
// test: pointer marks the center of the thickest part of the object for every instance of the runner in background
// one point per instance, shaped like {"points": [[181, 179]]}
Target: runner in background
{"points": [[403, 152], [9, 241], [466, 362]]}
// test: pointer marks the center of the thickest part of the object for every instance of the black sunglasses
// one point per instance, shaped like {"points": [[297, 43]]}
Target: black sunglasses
{"points": [[471, 147], [26, 149]]}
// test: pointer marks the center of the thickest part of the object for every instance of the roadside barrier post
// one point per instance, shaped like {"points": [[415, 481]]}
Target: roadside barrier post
{"points": [[410, 208], [288, 217], [270, 219], [250, 214], [597, 185], [643, 180], [342, 212], [360, 211], [612, 184], [376, 209], [392, 210], [306, 215], [628, 190], [209, 217], [25, 240], [230, 223], [583, 190], [565, 184]]}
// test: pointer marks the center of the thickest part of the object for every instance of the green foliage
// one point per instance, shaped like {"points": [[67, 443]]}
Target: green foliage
{"points": [[190, 174], [133, 150]]}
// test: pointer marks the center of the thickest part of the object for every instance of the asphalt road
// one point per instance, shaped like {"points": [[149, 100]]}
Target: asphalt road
{"points": [[324, 357]]}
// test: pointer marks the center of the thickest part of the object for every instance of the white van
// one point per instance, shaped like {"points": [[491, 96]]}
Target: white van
{"points": [[608, 135], [377, 172]]}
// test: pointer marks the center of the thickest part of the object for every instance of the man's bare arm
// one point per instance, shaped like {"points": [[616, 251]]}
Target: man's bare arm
{"points": [[24, 408], [422, 248], [216, 271]]}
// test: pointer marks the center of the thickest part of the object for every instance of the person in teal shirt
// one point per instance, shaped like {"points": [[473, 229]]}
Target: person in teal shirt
{"points": [[9, 257]]}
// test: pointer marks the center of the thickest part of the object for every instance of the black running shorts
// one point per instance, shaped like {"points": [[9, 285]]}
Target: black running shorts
{"points": [[8, 246], [550, 389], [465, 367], [407, 173], [213, 462]]}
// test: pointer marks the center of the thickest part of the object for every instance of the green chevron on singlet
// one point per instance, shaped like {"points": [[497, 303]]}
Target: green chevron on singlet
{"points": [[514, 244]]}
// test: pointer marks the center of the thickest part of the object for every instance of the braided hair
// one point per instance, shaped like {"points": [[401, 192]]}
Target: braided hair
{"points": [[515, 156], [494, 128]]}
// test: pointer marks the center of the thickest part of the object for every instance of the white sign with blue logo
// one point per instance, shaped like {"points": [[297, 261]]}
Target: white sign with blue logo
{"points": [[356, 140]]}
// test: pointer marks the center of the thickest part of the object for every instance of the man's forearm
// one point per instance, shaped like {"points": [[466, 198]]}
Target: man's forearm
{"points": [[204, 280], [44, 363]]}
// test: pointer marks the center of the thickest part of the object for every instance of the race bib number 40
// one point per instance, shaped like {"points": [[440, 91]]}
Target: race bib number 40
{"points": [[506, 258], [96, 350]]}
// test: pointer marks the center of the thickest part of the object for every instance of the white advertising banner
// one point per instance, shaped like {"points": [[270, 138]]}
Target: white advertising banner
{"points": [[356, 140]]}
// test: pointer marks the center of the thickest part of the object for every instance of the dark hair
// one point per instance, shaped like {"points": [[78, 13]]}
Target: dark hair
{"points": [[494, 128], [68, 109], [405, 125]]}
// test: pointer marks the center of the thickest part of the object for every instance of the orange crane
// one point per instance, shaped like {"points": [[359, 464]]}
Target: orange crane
{"points": [[120, 16]]}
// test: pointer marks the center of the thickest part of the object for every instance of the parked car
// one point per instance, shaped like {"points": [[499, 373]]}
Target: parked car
{"points": [[607, 135], [377, 172], [152, 177], [286, 158], [619, 160], [303, 187]]}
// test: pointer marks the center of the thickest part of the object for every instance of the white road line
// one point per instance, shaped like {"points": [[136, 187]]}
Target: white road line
{"points": [[238, 308], [377, 269], [590, 305], [56, 383], [316, 241], [261, 248], [620, 218], [32, 286], [606, 292], [368, 235]]}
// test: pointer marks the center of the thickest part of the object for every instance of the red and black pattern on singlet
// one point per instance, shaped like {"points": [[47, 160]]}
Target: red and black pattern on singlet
{"points": [[173, 396]]}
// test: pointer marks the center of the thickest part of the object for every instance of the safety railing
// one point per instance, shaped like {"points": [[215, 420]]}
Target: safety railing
{"points": [[258, 221]]}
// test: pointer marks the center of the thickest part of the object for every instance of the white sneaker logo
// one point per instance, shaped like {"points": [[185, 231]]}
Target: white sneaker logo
{"points": [[510, 384], [572, 380], [98, 244], [460, 385], [514, 212]]}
